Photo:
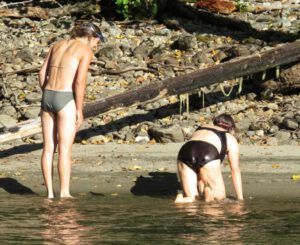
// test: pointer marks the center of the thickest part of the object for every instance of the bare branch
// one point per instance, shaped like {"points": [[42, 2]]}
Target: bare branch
{"points": [[11, 4]]}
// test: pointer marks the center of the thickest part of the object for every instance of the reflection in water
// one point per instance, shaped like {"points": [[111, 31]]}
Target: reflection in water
{"points": [[132, 219], [62, 223], [220, 221]]}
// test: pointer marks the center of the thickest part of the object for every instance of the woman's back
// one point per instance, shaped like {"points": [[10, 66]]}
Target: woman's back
{"points": [[208, 136], [63, 63]]}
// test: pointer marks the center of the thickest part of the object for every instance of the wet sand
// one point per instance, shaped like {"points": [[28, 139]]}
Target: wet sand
{"points": [[145, 169]]}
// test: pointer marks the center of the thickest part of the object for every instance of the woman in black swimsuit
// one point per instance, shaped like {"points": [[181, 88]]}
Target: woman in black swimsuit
{"points": [[199, 162]]}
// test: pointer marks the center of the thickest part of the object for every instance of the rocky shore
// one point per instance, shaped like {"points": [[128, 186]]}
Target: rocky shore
{"points": [[266, 106]]}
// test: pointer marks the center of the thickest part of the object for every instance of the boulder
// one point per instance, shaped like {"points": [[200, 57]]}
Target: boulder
{"points": [[167, 134], [7, 121]]}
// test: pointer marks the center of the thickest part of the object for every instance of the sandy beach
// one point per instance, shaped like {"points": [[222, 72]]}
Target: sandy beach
{"points": [[146, 169]]}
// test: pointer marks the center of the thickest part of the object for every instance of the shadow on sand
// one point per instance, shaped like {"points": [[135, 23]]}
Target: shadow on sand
{"points": [[157, 184], [12, 186]]}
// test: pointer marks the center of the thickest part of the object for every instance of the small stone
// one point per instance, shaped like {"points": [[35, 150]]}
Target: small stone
{"points": [[32, 112], [290, 123], [259, 132], [8, 110], [273, 129], [33, 97], [283, 136], [272, 141], [243, 125], [142, 139], [251, 96], [7, 121], [185, 43], [272, 106], [26, 55]]}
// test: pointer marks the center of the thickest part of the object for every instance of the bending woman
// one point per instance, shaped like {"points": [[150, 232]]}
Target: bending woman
{"points": [[63, 79], [199, 162]]}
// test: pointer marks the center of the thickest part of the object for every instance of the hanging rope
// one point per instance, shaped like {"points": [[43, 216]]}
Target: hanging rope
{"points": [[240, 80], [223, 91]]}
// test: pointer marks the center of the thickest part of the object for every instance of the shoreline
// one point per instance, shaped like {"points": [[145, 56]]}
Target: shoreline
{"points": [[146, 169]]}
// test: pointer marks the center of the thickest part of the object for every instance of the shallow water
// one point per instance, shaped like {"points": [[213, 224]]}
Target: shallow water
{"points": [[128, 219]]}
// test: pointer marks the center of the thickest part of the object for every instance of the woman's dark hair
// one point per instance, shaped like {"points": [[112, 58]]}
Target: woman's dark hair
{"points": [[224, 121], [86, 29]]}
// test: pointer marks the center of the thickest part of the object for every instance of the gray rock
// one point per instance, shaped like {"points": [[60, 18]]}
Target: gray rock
{"points": [[138, 74], [129, 136], [220, 55], [259, 132], [26, 55], [142, 139], [283, 136], [277, 119], [290, 123], [110, 52], [144, 49], [272, 141], [297, 118], [185, 43], [291, 75], [272, 106], [243, 125], [157, 52], [118, 135], [273, 129], [167, 134], [267, 94], [8, 110], [33, 97], [251, 96], [289, 114], [32, 112], [237, 51], [7, 121], [114, 31], [250, 133], [202, 58]]}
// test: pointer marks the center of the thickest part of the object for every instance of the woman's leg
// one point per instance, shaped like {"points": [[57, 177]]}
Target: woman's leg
{"points": [[49, 146], [188, 180], [211, 176], [66, 119]]}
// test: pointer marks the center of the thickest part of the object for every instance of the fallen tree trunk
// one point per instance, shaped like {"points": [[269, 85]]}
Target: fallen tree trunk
{"points": [[242, 66], [185, 11]]}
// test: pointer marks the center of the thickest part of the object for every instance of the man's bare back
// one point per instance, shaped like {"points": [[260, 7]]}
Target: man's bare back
{"points": [[64, 59]]}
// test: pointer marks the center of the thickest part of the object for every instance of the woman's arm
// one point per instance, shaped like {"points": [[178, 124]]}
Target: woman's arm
{"points": [[43, 70], [233, 156], [80, 82]]}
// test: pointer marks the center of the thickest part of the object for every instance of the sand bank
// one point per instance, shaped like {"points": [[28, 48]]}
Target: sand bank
{"points": [[144, 169]]}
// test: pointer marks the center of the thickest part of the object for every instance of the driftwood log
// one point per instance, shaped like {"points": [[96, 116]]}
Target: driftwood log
{"points": [[183, 10], [239, 67]]}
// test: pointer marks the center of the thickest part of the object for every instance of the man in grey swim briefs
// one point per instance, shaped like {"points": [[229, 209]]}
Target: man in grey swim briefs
{"points": [[199, 162], [63, 79]]}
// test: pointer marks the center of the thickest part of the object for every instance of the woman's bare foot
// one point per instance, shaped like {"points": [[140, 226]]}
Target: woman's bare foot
{"points": [[208, 194], [181, 199]]}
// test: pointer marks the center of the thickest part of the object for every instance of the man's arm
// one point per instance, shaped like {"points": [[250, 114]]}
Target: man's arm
{"points": [[233, 157], [80, 83], [43, 70]]}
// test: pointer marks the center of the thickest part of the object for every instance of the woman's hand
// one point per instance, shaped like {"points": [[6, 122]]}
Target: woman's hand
{"points": [[79, 119]]}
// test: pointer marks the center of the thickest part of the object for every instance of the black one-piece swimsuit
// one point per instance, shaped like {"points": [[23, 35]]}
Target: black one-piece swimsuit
{"points": [[197, 153]]}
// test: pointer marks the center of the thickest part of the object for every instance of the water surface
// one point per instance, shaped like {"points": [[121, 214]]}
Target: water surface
{"points": [[128, 219]]}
